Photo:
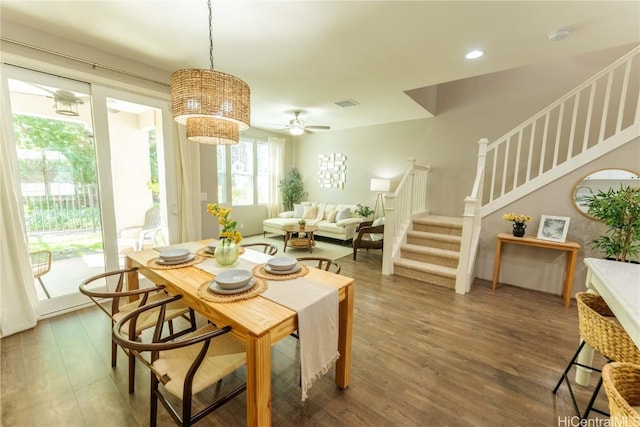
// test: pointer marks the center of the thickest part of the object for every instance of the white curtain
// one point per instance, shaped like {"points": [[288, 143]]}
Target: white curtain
{"points": [[276, 146], [18, 298], [188, 183]]}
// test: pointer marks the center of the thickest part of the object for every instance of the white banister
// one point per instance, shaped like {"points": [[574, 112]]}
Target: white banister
{"points": [[407, 201], [605, 114]]}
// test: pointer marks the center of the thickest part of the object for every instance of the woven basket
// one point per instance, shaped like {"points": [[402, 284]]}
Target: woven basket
{"points": [[600, 330], [622, 384]]}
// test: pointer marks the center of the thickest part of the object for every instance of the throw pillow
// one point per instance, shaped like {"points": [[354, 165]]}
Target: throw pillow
{"points": [[375, 236], [343, 214], [310, 212], [298, 210], [332, 216]]}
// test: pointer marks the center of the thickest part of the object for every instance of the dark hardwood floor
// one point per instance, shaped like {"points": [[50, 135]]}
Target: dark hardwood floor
{"points": [[422, 356]]}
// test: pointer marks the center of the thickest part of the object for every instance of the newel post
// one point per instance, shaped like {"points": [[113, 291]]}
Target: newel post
{"points": [[389, 232]]}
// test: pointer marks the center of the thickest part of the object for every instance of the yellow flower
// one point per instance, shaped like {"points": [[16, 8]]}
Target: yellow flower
{"points": [[519, 218], [228, 231]]}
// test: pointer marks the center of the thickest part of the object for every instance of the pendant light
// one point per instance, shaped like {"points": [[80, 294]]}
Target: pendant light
{"points": [[202, 98]]}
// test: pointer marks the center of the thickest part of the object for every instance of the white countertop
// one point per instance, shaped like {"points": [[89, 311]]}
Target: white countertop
{"points": [[619, 285]]}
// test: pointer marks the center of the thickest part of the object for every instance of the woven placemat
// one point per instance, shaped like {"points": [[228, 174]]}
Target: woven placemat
{"points": [[152, 263], [204, 253], [254, 291], [259, 271]]}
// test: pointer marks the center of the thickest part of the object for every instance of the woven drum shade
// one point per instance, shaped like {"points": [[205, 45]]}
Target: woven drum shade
{"points": [[208, 130], [209, 93]]}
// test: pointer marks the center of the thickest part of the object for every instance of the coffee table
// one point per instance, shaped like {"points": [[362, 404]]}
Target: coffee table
{"points": [[299, 237]]}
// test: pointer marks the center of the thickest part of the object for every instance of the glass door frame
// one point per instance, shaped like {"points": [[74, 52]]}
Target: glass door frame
{"points": [[98, 97]]}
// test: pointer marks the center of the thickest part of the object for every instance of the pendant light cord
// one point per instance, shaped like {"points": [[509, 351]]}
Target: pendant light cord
{"points": [[210, 33]]}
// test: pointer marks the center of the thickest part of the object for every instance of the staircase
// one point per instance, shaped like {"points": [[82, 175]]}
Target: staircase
{"points": [[597, 117], [432, 251]]}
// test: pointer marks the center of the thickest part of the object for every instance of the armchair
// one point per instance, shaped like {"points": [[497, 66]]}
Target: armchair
{"points": [[370, 236]]}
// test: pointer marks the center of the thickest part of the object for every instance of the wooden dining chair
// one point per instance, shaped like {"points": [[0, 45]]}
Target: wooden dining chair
{"points": [[185, 366], [120, 306], [321, 263], [267, 248]]}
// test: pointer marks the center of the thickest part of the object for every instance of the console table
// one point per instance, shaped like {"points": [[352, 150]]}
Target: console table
{"points": [[570, 247]]}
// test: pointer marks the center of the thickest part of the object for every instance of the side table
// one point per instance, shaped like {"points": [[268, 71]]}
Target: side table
{"points": [[572, 256], [299, 242]]}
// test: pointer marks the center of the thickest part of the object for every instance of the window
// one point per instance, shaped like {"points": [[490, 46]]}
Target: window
{"points": [[243, 172]]}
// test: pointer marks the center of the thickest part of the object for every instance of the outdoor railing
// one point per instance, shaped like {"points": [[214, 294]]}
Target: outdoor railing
{"points": [[63, 213]]}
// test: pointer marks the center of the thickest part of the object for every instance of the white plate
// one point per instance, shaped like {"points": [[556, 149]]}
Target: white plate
{"points": [[271, 270], [218, 290], [233, 279], [174, 254], [190, 257], [211, 247], [282, 263]]}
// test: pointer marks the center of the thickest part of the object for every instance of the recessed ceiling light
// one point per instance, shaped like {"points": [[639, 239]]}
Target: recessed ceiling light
{"points": [[473, 54]]}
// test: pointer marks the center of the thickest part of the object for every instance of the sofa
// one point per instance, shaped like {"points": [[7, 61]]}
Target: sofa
{"points": [[335, 221]]}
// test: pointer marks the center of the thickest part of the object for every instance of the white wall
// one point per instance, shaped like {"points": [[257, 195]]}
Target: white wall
{"points": [[485, 106]]}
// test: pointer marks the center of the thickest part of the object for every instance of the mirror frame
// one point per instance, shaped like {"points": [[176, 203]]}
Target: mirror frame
{"points": [[581, 184]]}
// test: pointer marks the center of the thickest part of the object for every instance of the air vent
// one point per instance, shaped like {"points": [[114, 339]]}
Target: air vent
{"points": [[347, 103]]}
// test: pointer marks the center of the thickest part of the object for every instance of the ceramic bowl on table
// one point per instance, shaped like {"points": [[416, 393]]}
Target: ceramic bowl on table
{"points": [[282, 263], [233, 279], [173, 255], [211, 247]]}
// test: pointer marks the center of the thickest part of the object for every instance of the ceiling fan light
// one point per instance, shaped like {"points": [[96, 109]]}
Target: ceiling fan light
{"points": [[208, 130], [296, 130], [66, 108]]}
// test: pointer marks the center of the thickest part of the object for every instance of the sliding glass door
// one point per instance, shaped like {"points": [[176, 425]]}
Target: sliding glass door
{"points": [[91, 165]]}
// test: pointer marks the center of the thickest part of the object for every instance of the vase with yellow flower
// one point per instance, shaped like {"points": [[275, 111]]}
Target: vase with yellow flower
{"points": [[518, 221], [227, 251]]}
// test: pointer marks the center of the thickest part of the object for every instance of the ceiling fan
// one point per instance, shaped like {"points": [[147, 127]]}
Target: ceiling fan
{"points": [[65, 102], [297, 126]]}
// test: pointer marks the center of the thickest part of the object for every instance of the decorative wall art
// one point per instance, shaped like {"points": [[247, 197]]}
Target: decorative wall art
{"points": [[332, 170]]}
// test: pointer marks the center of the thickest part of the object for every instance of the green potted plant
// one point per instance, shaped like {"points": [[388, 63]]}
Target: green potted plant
{"points": [[619, 210], [364, 211], [292, 189], [302, 223]]}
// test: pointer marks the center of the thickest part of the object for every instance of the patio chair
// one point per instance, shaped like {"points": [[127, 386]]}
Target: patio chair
{"points": [[120, 306], [40, 265], [138, 237], [267, 248], [183, 367]]}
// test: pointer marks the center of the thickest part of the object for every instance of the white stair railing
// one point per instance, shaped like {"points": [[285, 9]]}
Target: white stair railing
{"points": [[400, 207], [556, 139], [598, 116]]}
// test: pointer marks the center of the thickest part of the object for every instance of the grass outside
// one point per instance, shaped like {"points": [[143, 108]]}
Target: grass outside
{"points": [[67, 245]]}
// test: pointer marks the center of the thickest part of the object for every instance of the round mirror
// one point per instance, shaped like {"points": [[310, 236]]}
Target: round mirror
{"points": [[601, 180]]}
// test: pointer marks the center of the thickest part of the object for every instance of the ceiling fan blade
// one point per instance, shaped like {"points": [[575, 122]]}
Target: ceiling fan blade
{"points": [[318, 127]]}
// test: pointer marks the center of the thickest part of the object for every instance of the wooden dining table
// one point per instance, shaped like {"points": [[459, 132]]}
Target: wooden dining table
{"points": [[258, 322]]}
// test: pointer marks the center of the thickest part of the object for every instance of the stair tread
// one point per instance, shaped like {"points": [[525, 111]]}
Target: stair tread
{"points": [[434, 236], [445, 253], [426, 267], [450, 221]]}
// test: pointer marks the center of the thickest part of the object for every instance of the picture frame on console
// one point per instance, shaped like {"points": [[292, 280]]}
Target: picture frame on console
{"points": [[553, 228]]}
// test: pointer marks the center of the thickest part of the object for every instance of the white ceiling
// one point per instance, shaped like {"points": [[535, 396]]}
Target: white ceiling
{"points": [[307, 55]]}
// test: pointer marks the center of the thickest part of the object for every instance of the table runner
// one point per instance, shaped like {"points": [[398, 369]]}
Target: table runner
{"points": [[316, 306]]}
